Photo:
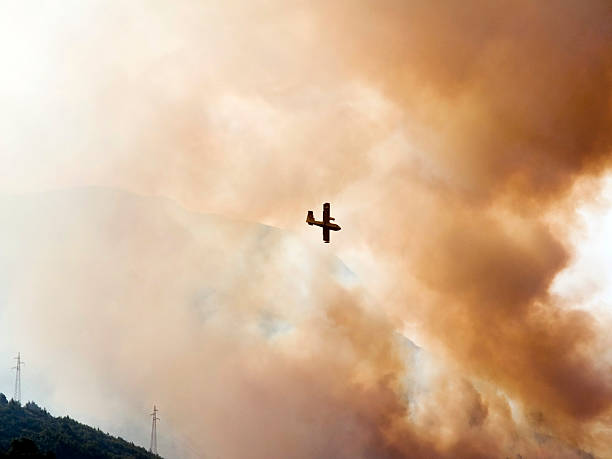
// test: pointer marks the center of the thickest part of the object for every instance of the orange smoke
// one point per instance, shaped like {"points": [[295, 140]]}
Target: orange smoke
{"points": [[446, 135], [511, 103]]}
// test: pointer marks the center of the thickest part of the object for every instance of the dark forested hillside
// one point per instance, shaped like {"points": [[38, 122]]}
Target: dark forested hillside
{"points": [[30, 431]]}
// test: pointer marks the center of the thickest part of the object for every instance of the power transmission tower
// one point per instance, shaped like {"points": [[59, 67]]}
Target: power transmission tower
{"points": [[153, 447], [17, 368]]}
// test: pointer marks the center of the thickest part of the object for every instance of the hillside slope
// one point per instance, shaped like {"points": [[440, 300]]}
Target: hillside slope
{"points": [[117, 300], [64, 437]]}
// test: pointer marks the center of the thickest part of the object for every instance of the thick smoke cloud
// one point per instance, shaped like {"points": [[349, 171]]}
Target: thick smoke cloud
{"points": [[515, 98], [518, 100], [516, 95], [450, 138]]}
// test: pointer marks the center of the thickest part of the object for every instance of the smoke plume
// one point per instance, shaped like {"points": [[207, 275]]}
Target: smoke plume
{"points": [[455, 141]]}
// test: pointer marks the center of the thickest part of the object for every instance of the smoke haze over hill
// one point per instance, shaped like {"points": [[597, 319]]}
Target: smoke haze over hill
{"points": [[455, 142]]}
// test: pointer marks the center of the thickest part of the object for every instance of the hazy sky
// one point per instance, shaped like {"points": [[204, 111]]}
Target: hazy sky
{"points": [[464, 146]]}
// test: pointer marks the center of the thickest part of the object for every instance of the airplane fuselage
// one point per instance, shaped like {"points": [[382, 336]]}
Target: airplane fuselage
{"points": [[330, 226]]}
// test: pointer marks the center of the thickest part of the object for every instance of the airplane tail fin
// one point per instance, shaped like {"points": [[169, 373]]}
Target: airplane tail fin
{"points": [[310, 217]]}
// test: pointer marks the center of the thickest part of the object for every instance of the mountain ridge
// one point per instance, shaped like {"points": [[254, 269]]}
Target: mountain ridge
{"points": [[59, 437]]}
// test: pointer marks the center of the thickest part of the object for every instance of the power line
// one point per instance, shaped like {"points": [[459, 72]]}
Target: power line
{"points": [[17, 368], [153, 446]]}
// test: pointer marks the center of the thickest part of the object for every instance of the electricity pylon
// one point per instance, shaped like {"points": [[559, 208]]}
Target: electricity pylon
{"points": [[17, 368], [153, 447]]}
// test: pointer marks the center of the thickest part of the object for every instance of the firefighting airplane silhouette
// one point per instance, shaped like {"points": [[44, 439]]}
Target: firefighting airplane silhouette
{"points": [[325, 224]]}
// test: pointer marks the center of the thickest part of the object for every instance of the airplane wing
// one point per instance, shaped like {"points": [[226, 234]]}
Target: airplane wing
{"points": [[326, 234], [326, 213]]}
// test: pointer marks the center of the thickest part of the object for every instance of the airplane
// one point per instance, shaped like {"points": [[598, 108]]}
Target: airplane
{"points": [[325, 224]]}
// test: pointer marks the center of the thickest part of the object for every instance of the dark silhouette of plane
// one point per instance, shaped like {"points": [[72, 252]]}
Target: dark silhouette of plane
{"points": [[325, 224]]}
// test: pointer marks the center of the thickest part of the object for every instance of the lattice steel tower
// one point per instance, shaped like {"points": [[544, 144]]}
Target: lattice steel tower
{"points": [[153, 447], [17, 368]]}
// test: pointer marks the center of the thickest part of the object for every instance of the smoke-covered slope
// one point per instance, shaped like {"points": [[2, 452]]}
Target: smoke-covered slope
{"points": [[251, 341], [119, 301]]}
